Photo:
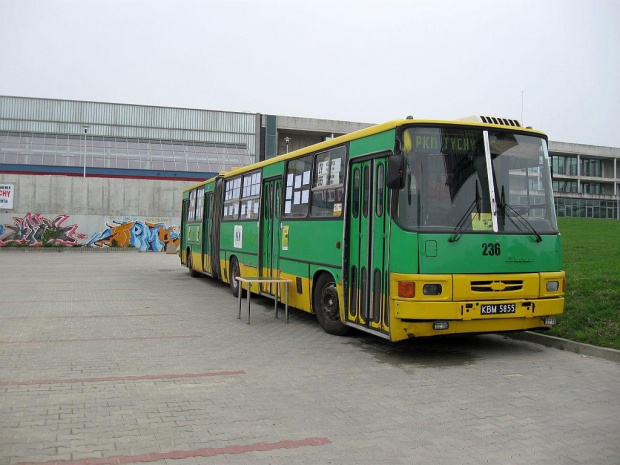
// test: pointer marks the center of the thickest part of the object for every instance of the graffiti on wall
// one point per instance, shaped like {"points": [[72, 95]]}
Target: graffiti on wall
{"points": [[143, 235], [30, 229]]}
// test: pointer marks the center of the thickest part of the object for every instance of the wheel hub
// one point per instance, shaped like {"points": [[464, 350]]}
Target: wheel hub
{"points": [[329, 303]]}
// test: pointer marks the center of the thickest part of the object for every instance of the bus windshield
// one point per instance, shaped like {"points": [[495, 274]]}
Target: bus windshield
{"points": [[447, 181], [523, 182]]}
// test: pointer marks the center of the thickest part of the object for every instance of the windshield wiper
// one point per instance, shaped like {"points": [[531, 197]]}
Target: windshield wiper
{"points": [[460, 226], [507, 208]]}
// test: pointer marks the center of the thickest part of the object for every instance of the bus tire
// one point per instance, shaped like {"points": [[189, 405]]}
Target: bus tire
{"points": [[327, 306], [192, 272], [234, 272]]}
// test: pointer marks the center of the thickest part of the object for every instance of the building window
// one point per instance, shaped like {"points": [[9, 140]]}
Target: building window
{"points": [[564, 165], [591, 188], [586, 208], [591, 168], [565, 186], [120, 152]]}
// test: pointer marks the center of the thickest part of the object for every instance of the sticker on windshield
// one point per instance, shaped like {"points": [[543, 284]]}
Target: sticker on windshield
{"points": [[481, 222]]}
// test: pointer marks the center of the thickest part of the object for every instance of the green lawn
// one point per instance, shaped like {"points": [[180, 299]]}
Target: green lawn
{"points": [[592, 264]]}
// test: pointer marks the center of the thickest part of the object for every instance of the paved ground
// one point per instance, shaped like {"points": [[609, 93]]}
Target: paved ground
{"points": [[111, 358]]}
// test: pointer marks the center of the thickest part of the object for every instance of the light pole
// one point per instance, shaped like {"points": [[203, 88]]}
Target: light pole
{"points": [[85, 128]]}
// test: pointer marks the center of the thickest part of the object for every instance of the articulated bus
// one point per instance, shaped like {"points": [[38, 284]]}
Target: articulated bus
{"points": [[406, 229]]}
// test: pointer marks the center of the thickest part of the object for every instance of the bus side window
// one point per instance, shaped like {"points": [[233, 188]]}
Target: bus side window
{"points": [[231, 199], [297, 193], [250, 197], [328, 183]]}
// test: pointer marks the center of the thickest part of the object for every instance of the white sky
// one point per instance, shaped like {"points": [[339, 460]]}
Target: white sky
{"points": [[363, 60]]}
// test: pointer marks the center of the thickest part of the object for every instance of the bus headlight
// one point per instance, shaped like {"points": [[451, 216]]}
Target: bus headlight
{"points": [[553, 286], [431, 289]]}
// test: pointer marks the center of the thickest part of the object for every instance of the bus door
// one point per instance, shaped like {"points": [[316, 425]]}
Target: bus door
{"points": [[270, 231], [368, 245], [206, 236]]}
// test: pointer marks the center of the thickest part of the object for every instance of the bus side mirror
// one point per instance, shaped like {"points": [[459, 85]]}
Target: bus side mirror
{"points": [[396, 172]]}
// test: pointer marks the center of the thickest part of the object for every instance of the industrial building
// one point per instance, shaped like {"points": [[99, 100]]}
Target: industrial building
{"points": [[113, 173], [103, 173]]}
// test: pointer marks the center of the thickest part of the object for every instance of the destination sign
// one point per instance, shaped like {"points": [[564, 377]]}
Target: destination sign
{"points": [[436, 142]]}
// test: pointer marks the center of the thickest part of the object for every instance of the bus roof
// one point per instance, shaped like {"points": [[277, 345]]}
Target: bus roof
{"points": [[372, 130]]}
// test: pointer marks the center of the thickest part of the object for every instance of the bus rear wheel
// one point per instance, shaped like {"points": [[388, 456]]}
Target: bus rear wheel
{"points": [[234, 273], [192, 272], [327, 305]]}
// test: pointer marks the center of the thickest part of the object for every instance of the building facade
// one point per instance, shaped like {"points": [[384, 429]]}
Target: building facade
{"points": [[585, 180], [45, 136]]}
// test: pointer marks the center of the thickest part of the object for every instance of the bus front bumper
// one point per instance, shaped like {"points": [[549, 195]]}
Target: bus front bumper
{"points": [[419, 318]]}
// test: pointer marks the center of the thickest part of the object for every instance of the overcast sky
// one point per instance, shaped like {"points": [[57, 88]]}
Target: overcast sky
{"points": [[367, 61]]}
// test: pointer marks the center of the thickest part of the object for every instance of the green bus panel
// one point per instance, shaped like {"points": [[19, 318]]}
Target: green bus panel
{"points": [[315, 241], [277, 169], [247, 243], [295, 267], [471, 253], [335, 271], [372, 144]]}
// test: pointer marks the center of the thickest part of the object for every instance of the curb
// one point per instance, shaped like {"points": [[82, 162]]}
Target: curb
{"points": [[612, 355]]}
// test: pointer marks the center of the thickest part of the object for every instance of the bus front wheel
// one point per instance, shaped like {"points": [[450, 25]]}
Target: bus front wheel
{"points": [[327, 305]]}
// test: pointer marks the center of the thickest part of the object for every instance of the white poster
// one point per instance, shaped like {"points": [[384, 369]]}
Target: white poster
{"points": [[7, 194], [238, 241]]}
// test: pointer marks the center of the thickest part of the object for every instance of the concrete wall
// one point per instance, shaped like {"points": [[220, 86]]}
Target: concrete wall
{"points": [[93, 211]]}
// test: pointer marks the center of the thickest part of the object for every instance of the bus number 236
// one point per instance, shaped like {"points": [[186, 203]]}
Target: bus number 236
{"points": [[491, 249]]}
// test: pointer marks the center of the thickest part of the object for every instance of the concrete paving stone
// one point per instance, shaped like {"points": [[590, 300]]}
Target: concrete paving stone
{"points": [[460, 400]]}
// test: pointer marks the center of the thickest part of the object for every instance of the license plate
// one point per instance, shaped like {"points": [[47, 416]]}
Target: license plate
{"points": [[497, 309]]}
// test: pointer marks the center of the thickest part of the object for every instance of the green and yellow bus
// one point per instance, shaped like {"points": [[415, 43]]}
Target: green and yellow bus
{"points": [[406, 229]]}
